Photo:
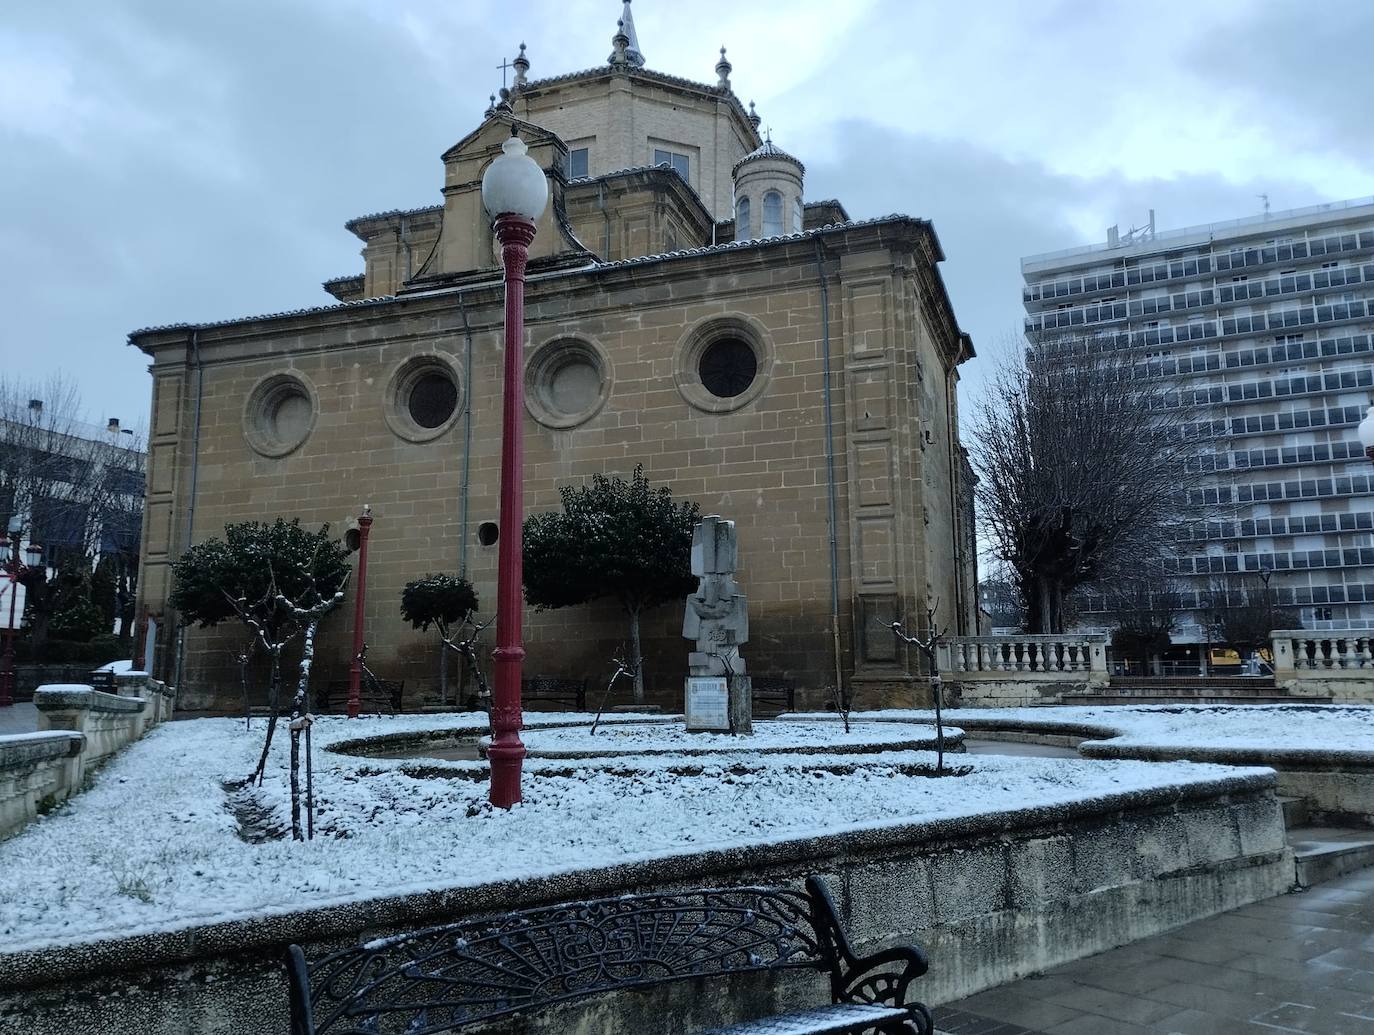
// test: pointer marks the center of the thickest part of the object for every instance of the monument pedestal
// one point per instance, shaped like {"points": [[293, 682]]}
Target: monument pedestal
{"points": [[719, 704]]}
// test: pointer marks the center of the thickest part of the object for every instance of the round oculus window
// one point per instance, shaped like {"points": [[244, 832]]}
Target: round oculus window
{"points": [[433, 398], [567, 382], [728, 367], [278, 415], [423, 398]]}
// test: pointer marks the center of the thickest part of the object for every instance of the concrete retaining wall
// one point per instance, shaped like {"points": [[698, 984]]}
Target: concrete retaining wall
{"points": [[992, 898], [107, 721], [1027, 690], [1338, 786], [37, 770]]}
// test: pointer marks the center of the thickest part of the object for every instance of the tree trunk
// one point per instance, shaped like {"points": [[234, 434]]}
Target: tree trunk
{"points": [[273, 696], [636, 658], [443, 673]]}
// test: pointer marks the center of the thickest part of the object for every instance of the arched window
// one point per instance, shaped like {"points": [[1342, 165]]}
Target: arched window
{"points": [[772, 214], [742, 228], [796, 215]]}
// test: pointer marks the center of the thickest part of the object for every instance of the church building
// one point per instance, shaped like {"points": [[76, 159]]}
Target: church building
{"points": [[688, 309]]}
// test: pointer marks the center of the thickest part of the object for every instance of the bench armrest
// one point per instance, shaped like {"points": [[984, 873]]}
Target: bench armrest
{"points": [[298, 992], [884, 979]]}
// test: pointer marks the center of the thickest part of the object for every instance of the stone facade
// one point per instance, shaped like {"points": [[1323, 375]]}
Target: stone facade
{"points": [[305, 414]]}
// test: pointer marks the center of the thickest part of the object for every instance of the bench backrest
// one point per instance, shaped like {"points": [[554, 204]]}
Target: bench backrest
{"points": [[444, 978]]}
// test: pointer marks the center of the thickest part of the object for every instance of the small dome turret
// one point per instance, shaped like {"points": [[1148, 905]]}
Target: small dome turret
{"points": [[768, 193]]}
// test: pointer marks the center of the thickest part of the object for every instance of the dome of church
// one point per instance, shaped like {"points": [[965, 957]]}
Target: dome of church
{"points": [[767, 149], [769, 191]]}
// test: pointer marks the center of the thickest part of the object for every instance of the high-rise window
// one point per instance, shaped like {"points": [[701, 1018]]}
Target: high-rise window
{"points": [[577, 163], [772, 214]]}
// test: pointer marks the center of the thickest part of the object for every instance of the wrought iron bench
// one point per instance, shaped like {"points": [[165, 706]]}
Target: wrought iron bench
{"points": [[454, 977], [778, 694], [571, 692], [385, 695]]}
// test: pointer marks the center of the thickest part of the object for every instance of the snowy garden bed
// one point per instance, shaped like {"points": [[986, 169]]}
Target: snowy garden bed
{"points": [[770, 737], [171, 871], [1323, 754], [168, 836]]}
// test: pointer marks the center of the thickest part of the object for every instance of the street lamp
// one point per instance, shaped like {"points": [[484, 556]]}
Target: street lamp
{"points": [[1366, 433], [355, 672], [514, 193]]}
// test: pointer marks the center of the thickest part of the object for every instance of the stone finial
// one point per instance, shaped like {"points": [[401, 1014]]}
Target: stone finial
{"points": [[754, 119], [504, 103], [620, 42], [521, 64], [723, 68], [491, 104]]}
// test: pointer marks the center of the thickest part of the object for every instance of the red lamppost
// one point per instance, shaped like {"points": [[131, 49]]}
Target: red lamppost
{"points": [[514, 193], [1366, 433], [355, 671]]}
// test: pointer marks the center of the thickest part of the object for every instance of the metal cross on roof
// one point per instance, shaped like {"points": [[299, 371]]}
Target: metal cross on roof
{"points": [[503, 66]]}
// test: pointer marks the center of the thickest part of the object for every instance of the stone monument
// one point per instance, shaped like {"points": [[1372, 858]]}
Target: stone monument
{"points": [[717, 618]]}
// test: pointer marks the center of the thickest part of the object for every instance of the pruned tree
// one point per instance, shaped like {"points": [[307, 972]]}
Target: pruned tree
{"points": [[1146, 611], [444, 602], [1244, 612], [615, 539], [265, 576], [1082, 470]]}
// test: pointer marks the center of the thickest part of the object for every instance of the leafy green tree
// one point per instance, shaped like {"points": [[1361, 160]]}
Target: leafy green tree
{"points": [[441, 601], [616, 539], [276, 579]]}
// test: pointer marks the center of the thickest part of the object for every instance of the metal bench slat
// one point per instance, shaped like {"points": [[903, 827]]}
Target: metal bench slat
{"points": [[823, 1020]]}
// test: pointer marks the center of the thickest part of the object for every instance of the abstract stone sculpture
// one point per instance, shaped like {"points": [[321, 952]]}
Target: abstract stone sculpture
{"points": [[717, 618]]}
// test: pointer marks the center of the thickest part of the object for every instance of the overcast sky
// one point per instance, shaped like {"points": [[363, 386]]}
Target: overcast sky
{"points": [[166, 161]]}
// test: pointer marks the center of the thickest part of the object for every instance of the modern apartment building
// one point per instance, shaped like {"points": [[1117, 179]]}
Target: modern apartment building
{"points": [[1263, 328]]}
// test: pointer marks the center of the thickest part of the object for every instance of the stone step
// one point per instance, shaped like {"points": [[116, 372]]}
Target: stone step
{"points": [[1295, 812], [1325, 853], [1217, 681], [1110, 698], [1174, 690]]}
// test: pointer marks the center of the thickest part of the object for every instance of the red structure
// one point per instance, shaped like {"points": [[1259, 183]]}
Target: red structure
{"points": [[507, 752], [355, 672], [514, 193]]}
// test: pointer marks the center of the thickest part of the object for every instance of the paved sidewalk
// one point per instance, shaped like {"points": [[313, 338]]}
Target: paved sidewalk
{"points": [[1297, 963], [18, 718]]}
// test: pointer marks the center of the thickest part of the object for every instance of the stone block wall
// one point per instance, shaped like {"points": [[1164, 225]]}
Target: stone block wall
{"points": [[992, 898], [761, 463], [37, 771]]}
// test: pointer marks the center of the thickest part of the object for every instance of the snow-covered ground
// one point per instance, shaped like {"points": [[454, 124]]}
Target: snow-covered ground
{"points": [[1263, 727], [767, 736], [158, 842]]}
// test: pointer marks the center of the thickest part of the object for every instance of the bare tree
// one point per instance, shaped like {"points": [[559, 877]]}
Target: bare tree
{"points": [[1146, 610], [75, 489], [1081, 463], [1244, 613]]}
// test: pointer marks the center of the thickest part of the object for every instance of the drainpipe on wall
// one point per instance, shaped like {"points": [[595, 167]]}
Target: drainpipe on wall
{"points": [[830, 467]]}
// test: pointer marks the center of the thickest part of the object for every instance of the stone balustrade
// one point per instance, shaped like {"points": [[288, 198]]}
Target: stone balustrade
{"points": [[1331, 651], [1074, 658], [37, 770], [1338, 663]]}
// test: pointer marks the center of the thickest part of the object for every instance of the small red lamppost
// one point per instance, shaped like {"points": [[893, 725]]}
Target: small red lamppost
{"points": [[514, 193], [355, 671], [1366, 433]]}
